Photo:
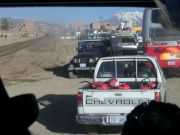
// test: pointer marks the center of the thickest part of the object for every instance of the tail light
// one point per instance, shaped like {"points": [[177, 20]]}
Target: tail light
{"points": [[157, 96], [80, 99]]}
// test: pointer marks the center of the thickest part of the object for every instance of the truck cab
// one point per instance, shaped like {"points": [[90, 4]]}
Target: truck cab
{"points": [[124, 43]]}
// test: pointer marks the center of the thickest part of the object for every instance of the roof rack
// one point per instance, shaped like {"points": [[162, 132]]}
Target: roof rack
{"points": [[98, 35]]}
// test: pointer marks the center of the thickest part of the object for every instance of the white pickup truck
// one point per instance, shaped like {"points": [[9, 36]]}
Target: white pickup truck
{"points": [[119, 84]]}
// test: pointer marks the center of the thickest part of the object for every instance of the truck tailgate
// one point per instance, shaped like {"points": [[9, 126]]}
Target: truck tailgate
{"points": [[100, 101], [167, 59]]}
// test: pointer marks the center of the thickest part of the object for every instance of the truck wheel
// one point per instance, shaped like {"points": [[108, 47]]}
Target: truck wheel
{"points": [[71, 72], [166, 73], [165, 97], [91, 129], [109, 130], [72, 75]]}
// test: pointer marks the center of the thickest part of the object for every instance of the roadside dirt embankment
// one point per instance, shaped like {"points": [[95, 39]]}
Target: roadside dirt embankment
{"points": [[32, 63]]}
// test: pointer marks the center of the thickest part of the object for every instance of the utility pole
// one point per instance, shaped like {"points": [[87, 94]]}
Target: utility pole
{"points": [[100, 21]]}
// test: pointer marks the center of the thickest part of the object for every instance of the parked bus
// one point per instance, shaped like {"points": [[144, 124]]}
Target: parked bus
{"points": [[160, 42]]}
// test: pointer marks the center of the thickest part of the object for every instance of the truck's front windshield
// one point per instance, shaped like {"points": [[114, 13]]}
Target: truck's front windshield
{"points": [[128, 40], [161, 34], [89, 46]]}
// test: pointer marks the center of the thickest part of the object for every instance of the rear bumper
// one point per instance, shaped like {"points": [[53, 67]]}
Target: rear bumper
{"points": [[99, 119], [170, 63], [129, 48], [81, 68]]}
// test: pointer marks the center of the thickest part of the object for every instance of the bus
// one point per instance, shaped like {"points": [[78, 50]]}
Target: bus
{"points": [[160, 42]]}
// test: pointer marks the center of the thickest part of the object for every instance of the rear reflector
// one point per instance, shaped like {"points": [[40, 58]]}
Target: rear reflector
{"points": [[157, 96], [79, 99]]}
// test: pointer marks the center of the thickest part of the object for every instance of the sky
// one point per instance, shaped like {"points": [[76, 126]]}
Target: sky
{"points": [[64, 15]]}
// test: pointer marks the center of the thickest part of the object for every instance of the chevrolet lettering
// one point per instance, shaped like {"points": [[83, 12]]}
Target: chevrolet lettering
{"points": [[115, 102]]}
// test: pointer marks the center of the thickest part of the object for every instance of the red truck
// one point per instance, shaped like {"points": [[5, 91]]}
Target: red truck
{"points": [[160, 42]]}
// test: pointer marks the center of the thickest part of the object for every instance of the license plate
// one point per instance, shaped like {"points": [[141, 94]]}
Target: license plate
{"points": [[172, 63], [83, 65], [117, 119]]}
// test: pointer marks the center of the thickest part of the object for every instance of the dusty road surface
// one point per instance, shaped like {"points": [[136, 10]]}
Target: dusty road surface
{"points": [[16, 36], [40, 67], [12, 48]]}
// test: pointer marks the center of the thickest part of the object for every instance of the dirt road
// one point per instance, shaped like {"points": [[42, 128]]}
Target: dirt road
{"points": [[12, 48], [41, 69]]}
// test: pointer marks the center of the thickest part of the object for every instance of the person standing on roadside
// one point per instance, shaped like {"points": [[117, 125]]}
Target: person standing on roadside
{"points": [[36, 35], [5, 36]]}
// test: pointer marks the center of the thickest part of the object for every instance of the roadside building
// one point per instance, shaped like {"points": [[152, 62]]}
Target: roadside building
{"points": [[29, 25], [136, 29], [104, 26], [78, 27]]}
